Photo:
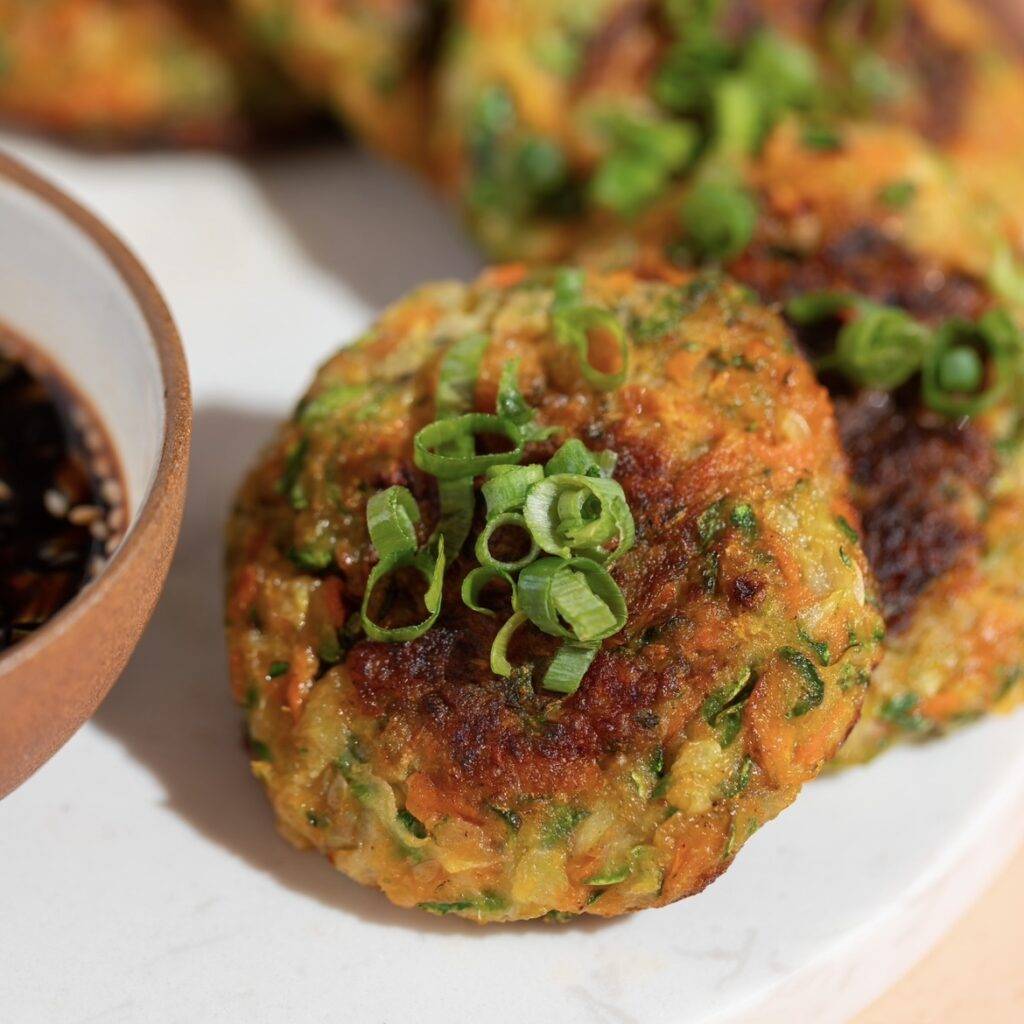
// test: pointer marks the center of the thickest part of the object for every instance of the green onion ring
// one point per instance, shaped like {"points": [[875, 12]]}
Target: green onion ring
{"points": [[568, 666], [575, 457], [506, 487], [391, 517], [430, 445], [500, 665], [431, 568], [460, 369], [573, 599], [997, 335], [512, 406], [475, 581], [573, 327], [555, 513], [483, 550], [882, 348], [456, 384]]}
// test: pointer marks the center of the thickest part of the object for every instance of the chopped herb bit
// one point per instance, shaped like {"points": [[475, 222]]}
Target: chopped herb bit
{"points": [[744, 519], [277, 668], [259, 750], [823, 138], [290, 484], [412, 824], [898, 194], [851, 534], [312, 558], [560, 825], [820, 647], [719, 220], [510, 817], [740, 780], [731, 694], [610, 876], [814, 686], [902, 712], [710, 524]]}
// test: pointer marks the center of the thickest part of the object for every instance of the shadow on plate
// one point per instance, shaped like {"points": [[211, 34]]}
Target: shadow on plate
{"points": [[173, 712], [367, 223]]}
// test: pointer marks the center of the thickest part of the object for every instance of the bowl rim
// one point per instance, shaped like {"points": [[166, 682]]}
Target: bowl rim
{"points": [[166, 345]]}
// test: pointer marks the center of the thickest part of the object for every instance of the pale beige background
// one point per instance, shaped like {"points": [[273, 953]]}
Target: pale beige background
{"points": [[975, 975]]}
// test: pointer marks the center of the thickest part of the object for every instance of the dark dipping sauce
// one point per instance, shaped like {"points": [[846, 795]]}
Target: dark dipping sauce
{"points": [[62, 511]]}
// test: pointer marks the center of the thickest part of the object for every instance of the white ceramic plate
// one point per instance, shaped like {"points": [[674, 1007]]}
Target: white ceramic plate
{"points": [[140, 876]]}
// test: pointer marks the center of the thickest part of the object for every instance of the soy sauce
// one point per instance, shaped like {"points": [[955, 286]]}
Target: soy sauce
{"points": [[62, 510]]}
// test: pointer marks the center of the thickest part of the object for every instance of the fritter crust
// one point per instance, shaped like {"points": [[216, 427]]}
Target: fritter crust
{"points": [[151, 71], [628, 793]]}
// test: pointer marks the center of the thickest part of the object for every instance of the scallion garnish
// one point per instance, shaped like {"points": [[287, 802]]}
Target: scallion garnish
{"points": [[569, 508], [880, 348], [506, 520], [478, 580], [456, 383], [966, 367], [971, 365], [574, 514], [719, 219], [573, 599], [391, 517], [506, 487], [431, 451], [512, 406], [581, 327]]}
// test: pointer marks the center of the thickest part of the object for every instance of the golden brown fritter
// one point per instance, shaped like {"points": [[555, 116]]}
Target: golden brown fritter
{"points": [[880, 215], [146, 71], [740, 670], [367, 59], [555, 119]]}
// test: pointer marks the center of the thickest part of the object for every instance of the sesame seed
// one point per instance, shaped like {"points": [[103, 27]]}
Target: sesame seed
{"points": [[55, 503]]}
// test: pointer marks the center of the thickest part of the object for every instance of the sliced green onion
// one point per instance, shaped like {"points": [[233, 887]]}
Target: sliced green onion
{"points": [[483, 550], [570, 514], [457, 379], [882, 348], [512, 406], [806, 309], [568, 288], [506, 487], [719, 219], [431, 568], [391, 517], [460, 370], [478, 580], [965, 358], [430, 446], [569, 665], [575, 457], [573, 599], [500, 665], [574, 327]]}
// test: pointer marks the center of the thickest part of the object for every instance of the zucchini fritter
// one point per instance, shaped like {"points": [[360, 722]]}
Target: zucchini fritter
{"points": [[740, 670], [878, 214], [148, 71], [365, 58], [556, 118]]}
